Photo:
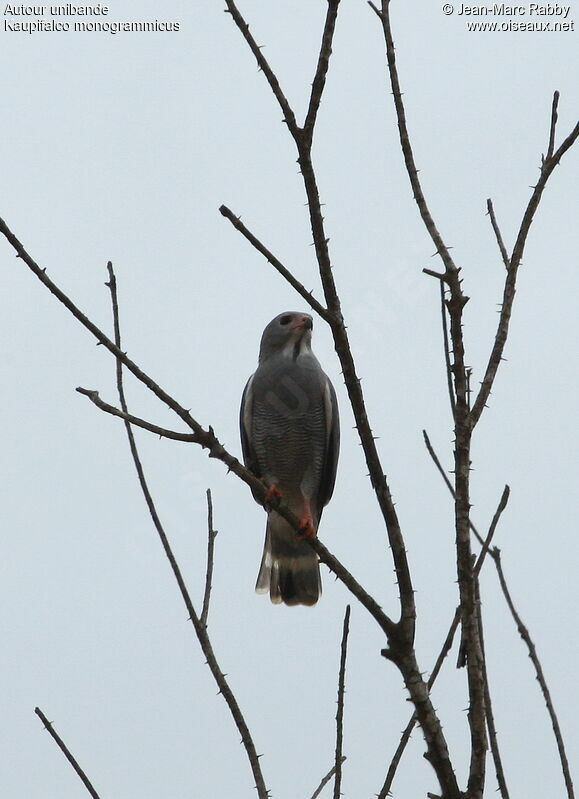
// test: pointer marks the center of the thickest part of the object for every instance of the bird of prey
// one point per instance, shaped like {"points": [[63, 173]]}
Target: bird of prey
{"points": [[290, 436]]}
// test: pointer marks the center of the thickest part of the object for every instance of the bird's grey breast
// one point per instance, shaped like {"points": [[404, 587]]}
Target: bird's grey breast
{"points": [[289, 424]]}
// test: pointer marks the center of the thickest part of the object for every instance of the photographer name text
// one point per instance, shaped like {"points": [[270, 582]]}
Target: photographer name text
{"points": [[503, 10]]}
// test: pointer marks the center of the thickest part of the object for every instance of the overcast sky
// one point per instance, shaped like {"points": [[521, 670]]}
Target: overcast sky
{"points": [[122, 146]]}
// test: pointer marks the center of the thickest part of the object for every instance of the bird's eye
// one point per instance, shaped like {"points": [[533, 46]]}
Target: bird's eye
{"points": [[285, 320]]}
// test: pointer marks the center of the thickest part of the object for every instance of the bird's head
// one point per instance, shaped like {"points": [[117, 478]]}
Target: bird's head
{"points": [[289, 334]]}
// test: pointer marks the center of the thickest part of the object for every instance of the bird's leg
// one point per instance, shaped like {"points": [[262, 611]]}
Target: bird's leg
{"points": [[307, 527]]}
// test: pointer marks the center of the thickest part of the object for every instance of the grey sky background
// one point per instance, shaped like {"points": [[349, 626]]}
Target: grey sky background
{"points": [[123, 147]]}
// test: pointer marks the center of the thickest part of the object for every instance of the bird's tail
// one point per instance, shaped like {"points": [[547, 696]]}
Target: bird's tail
{"points": [[289, 567]]}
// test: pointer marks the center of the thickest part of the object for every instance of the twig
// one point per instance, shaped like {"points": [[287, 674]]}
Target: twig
{"points": [[211, 534], [496, 355], [554, 117], [340, 711], [493, 739], [462, 655], [493, 526], [441, 248], [101, 337], [395, 762], [325, 780], [447, 350], [319, 81], [287, 111], [128, 417], [299, 287], [199, 626], [67, 753], [498, 236], [524, 633]]}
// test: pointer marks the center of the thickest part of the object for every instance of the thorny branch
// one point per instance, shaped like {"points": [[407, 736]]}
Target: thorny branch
{"points": [[448, 641], [465, 418], [461, 410], [67, 753], [325, 780], [205, 438], [498, 235], [211, 535], [322, 70], [284, 272], [549, 163], [447, 350], [198, 624], [493, 738], [523, 631], [340, 712], [162, 432]]}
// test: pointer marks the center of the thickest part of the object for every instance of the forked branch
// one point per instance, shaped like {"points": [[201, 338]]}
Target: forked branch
{"points": [[549, 163]]}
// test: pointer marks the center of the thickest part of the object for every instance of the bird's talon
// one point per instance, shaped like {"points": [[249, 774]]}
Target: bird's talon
{"points": [[307, 529], [273, 492]]}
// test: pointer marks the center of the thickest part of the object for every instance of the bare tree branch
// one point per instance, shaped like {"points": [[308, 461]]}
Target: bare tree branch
{"points": [[199, 626], [547, 168], [441, 248], [287, 111], [67, 753], [498, 236], [211, 534], [299, 287], [554, 117], [340, 711], [444, 476], [448, 641], [455, 306], [525, 635], [493, 739], [135, 420], [205, 438], [523, 631], [465, 417], [326, 779], [447, 362], [322, 69], [462, 655]]}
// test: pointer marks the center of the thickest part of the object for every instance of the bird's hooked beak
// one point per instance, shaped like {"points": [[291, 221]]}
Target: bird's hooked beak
{"points": [[303, 323]]}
